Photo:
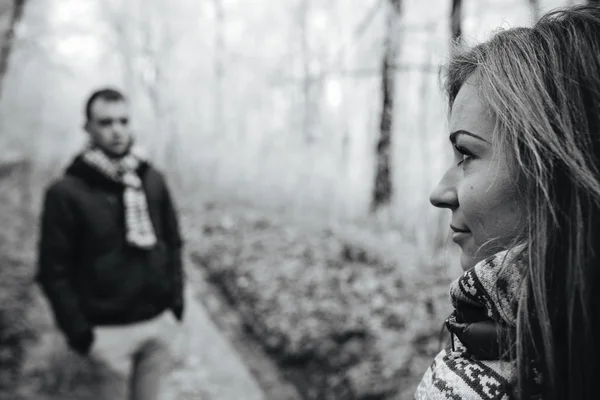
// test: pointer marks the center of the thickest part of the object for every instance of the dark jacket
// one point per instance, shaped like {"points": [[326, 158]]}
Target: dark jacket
{"points": [[89, 272]]}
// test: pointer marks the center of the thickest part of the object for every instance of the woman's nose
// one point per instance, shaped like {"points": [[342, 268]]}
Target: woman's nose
{"points": [[444, 195]]}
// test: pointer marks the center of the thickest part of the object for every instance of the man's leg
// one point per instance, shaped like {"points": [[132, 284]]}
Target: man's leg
{"points": [[111, 357], [154, 360]]}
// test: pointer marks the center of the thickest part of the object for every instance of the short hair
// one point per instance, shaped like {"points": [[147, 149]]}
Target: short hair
{"points": [[107, 94]]}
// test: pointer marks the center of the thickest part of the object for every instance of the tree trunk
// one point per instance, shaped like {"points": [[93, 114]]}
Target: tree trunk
{"points": [[456, 23], [382, 193], [16, 10], [306, 84], [535, 9], [219, 67]]}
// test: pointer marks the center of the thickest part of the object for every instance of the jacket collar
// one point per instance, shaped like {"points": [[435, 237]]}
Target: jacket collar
{"points": [[81, 170]]}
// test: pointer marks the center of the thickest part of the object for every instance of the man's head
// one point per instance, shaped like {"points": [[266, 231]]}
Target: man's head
{"points": [[107, 121]]}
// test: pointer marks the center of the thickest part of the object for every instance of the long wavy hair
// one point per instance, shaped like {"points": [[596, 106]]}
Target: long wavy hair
{"points": [[542, 85]]}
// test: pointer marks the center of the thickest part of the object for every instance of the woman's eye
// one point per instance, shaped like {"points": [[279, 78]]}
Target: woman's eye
{"points": [[465, 155]]}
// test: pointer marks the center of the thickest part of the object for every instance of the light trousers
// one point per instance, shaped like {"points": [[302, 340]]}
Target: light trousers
{"points": [[135, 359]]}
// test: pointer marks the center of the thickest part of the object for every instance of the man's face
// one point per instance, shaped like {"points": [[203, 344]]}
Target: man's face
{"points": [[108, 126]]}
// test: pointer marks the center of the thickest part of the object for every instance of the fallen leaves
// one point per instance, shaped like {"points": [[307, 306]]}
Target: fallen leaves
{"points": [[340, 318]]}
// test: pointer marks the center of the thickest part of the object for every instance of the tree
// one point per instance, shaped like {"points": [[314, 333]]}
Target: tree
{"points": [[535, 9], [15, 8], [456, 22], [306, 84], [219, 65], [382, 193], [144, 42]]}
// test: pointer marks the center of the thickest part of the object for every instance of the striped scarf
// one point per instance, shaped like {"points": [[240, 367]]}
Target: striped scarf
{"points": [[138, 225], [490, 288]]}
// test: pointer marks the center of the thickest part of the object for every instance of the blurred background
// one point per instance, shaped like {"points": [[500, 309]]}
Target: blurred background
{"points": [[301, 139]]}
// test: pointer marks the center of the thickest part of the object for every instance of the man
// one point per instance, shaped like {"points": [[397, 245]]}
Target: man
{"points": [[110, 254]]}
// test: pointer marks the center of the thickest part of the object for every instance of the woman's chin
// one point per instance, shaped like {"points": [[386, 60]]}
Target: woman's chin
{"points": [[467, 261]]}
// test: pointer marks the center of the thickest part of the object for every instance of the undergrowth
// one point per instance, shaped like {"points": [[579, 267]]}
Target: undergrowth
{"points": [[16, 260], [346, 311]]}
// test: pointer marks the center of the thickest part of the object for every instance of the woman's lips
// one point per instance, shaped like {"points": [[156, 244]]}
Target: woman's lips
{"points": [[459, 234], [459, 237]]}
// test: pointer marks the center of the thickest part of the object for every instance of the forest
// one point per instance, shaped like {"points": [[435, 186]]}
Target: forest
{"points": [[301, 140]]}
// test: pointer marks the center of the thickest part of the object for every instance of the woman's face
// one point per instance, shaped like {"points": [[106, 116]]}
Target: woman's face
{"points": [[480, 186]]}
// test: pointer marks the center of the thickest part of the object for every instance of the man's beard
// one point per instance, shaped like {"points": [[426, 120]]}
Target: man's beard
{"points": [[116, 155]]}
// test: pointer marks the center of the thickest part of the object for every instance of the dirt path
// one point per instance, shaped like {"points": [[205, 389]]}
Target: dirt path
{"points": [[210, 368], [230, 324]]}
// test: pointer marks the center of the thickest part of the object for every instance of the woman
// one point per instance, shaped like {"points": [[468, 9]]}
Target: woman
{"points": [[524, 192]]}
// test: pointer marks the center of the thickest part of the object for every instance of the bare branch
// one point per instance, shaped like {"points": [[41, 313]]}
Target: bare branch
{"points": [[358, 31], [17, 13], [359, 73]]}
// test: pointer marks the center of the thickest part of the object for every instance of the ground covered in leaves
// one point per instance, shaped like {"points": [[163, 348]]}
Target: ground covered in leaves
{"points": [[15, 272], [346, 312]]}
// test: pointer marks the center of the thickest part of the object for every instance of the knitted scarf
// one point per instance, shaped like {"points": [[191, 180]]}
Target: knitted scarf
{"points": [[138, 225], [490, 290]]}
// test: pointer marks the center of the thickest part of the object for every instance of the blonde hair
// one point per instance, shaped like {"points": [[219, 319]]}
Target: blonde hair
{"points": [[542, 85]]}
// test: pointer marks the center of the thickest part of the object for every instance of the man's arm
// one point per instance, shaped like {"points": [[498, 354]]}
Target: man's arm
{"points": [[175, 243], [56, 258]]}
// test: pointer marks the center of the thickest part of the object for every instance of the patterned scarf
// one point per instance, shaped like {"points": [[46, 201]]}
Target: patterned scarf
{"points": [[489, 290], [138, 225]]}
